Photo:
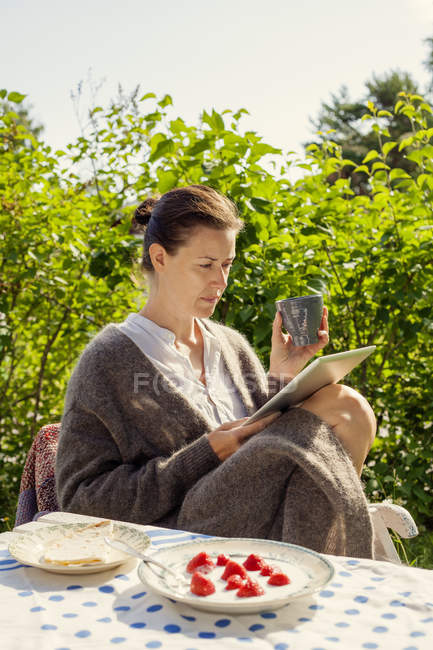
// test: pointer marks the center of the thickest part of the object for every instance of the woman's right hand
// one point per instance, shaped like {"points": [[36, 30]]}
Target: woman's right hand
{"points": [[229, 437]]}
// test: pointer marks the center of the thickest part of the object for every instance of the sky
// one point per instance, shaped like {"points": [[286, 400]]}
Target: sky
{"points": [[279, 59]]}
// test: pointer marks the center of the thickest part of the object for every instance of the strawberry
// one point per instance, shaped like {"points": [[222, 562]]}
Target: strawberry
{"points": [[278, 578], [250, 588], [233, 567], [201, 585], [234, 581], [254, 562], [222, 559], [202, 560], [268, 570]]}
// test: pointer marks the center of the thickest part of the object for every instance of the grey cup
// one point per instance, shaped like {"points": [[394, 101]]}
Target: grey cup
{"points": [[302, 317]]}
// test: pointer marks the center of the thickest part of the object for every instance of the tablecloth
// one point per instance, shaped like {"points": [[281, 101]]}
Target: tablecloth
{"points": [[368, 604]]}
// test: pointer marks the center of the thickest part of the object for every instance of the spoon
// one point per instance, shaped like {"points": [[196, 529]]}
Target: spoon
{"points": [[125, 548]]}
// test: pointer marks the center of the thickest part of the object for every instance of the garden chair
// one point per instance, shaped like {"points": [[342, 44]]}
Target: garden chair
{"points": [[38, 495], [38, 486]]}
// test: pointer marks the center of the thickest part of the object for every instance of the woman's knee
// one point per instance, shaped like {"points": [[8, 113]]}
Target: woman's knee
{"points": [[341, 405], [359, 410]]}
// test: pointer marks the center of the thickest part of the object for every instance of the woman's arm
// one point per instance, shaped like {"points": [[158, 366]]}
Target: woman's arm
{"points": [[130, 444], [92, 477]]}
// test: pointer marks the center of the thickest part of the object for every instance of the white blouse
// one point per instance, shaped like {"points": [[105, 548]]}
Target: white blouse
{"points": [[218, 399]]}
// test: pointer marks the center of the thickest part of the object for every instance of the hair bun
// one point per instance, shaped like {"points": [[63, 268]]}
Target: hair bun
{"points": [[143, 212]]}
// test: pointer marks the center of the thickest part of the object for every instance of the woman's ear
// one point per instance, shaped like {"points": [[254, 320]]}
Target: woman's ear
{"points": [[158, 256]]}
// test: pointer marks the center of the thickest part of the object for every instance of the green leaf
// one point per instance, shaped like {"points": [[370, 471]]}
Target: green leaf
{"points": [[165, 101], [372, 155], [398, 173], [261, 205], [101, 264], [215, 121], [421, 494], [317, 285], [178, 126], [362, 168], [201, 145], [240, 112], [379, 165], [3, 93], [422, 178], [147, 96], [15, 97], [309, 230], [163, 148], [261, 149], [426, 107], [416, 156], [218, 121], [406, 142], [167, 180], [388, 146]]}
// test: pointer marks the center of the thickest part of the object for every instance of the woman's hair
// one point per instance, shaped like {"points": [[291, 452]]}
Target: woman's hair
{"points": [[170, 220]]}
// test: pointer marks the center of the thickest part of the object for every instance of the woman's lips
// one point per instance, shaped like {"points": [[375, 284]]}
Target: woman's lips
{"points": [[212, 300]]}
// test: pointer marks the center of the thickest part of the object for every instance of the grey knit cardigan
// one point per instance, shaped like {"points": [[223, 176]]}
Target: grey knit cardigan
{"points": [[133, 448]]}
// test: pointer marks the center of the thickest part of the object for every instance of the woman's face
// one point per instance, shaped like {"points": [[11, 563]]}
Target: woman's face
{"points": [[194, 279]]}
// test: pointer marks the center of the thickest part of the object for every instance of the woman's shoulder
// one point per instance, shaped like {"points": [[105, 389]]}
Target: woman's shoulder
{"points": [[107, 347], [108, 337]]}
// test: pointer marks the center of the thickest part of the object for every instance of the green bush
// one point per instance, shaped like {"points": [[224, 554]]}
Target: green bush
{"points": [[67, 264]]}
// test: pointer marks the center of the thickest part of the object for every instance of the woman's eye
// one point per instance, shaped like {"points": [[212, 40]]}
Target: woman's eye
{"points": [[226, 265]]}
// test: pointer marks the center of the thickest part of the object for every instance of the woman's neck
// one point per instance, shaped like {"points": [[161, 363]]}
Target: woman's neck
{"points": [[185, 330]]}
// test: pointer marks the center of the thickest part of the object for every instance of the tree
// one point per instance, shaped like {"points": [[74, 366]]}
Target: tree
{"points": [[342, 118], [19, 112]]}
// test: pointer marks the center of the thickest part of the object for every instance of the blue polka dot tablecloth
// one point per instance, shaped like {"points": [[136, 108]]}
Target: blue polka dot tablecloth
{"points": [[368, 604]]}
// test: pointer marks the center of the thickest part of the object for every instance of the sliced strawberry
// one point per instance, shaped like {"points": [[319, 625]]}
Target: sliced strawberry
{"points": [[278, 578], [254, 562], [201, 560], [201, 585], [268, 570], [222, 559], [233, 567], [250, 588], [234, 582]]}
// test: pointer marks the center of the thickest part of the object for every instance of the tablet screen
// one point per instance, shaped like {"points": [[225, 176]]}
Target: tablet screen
{"points": [[324, 370]]}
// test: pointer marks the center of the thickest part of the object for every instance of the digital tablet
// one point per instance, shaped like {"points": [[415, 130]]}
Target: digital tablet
{"points": [[324, 370]]}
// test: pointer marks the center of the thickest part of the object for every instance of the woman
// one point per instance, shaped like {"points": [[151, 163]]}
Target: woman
{"points": [[154, 430]]}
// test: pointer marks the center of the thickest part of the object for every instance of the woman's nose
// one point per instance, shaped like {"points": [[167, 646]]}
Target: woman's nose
{"points": [[220, 278]]}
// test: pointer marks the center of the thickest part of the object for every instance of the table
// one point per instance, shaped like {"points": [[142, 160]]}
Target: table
{"points": [[368, 604]]}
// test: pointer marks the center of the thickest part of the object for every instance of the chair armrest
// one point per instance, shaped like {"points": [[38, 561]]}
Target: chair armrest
{"points": [[395, 517]]}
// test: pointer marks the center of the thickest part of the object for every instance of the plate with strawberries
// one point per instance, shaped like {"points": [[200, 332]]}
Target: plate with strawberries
{"points": [[237, 576]]}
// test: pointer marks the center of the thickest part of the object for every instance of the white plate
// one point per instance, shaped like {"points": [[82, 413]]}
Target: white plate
{"points": [[28, 548], [307, 570]]}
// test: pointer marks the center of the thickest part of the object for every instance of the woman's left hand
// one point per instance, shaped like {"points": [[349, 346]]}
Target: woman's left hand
{"points": [[288, 359]]}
